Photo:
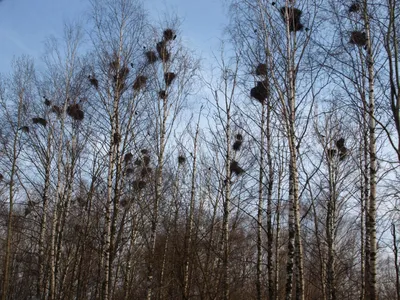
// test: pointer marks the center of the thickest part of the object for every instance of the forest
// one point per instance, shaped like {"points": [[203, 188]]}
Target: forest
{"points": [[130, 168]]}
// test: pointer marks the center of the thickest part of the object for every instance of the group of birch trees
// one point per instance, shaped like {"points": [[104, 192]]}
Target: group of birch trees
{"points": [[130, 170]]}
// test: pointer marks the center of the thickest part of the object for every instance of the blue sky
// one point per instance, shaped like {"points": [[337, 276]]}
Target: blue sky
{"points": [[25, 24]]}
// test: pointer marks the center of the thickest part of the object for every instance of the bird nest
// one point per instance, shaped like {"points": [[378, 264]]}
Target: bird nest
{"points": [[235, 168], [358, 38], [40, 121], [151, 57], [140, 82], [169, 77], [292, 17], [261, 70], [75, 112], [169, 35], [261, 91]]}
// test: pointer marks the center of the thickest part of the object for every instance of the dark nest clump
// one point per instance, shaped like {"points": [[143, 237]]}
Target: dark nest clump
{"points": [[146, 160], [235, 168], [145, 171], [162, 51], [169, 77], [261, 70], [354, 7], [237, 145], [140, 82], [151, 57], [25, 129], [117, 138], [129, 171], [124, 203], [331, 153], [162, 94], [239, 137], [1, 177], [144, 151], [261, 91], [292, 16], [340, 143], [56, 109], [128, 157], [358, 38], [138, 185], [93, 81], [137, 162], [181, 159], [169, 35], [75, 112], [123, 73], [40, 121], [47, 102], [114, 65]]}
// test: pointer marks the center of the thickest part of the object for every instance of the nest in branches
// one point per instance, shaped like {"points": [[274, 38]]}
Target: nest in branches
{"points": [[162, 51], [40, 121], [129, 171], [137, 162], [235, 168], [145, 171], [144, 151], [261, 70], [124, 203], [162, 94], [169, 35], [140, 82], [261, 91], [1, 177], [331, 153], [128, 157], [181, 159], [138, 185], [237, 145], [340, 143], [114, 65], [120, 77], [47, 102], [169, 77], [292, 16], [239, 137], [25, 129], [123, 73], [358, 38], [354, 7], [146, 160], [93, 81], [56, 109], [151, 57], [117, 138], [75, 112]]}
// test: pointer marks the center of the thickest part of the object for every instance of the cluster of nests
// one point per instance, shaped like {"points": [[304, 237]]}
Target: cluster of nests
{"points": [[341, 150], [161, 48], [145, 170], [73, 110], [120, 74], [358, 38], [234, 165], [140, 82], [261, 91]]}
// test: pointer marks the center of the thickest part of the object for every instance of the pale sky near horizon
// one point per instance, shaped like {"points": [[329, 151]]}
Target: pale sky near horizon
{"points": [[25, 24]]}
